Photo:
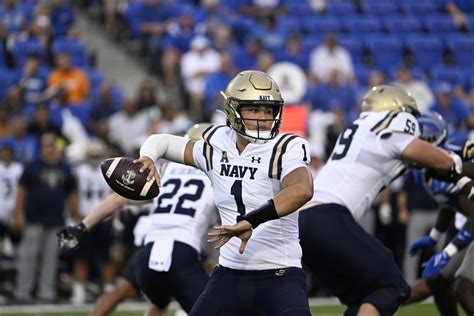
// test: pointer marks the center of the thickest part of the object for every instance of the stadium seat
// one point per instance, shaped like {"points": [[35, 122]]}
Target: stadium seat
{"points": [[74, 48], [439, 24], [361, 24], [386, 51], [299, 8], [321, 24], [418, 7], [340, 8], [95, 80], [21, 50], [289, 25], [462, 47], [354, 46], [380, 8], [310, 42], [7, 80], [453, 75], [402, 24], [426, 50]]}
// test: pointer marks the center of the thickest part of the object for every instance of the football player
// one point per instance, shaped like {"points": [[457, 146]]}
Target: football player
{"points": [[369, 154], [92, 189], [10, 173], [260, 178], [169, 264], [460, 268]]}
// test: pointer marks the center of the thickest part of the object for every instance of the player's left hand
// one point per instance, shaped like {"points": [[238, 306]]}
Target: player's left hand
{"points": [[436, 263], [224, 233]]}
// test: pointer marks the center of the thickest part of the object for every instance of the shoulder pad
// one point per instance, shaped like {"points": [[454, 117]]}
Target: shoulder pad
{"points": [[396, 122]]}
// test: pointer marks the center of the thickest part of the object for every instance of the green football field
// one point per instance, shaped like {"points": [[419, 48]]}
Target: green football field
{"points": [[414, 310]]}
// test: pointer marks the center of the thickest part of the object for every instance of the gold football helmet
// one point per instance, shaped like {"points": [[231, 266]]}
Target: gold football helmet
{"points": [[195, 131], [253, 87], [388, 98]]}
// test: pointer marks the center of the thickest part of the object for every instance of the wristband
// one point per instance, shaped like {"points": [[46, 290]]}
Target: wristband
{"points": [[265, 213], [435, 234]]}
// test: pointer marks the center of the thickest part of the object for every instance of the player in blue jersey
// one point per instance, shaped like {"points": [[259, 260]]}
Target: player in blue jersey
{"points": [[456, 268]]}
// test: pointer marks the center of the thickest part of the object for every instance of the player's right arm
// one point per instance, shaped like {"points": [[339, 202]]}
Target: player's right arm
{"points": [[174, 148]]}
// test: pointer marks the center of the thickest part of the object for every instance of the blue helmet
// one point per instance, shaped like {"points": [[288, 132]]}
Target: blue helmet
{"points": [[433, 128]]}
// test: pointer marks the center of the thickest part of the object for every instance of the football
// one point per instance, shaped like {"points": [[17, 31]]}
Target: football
{"points": [[124, 177]]}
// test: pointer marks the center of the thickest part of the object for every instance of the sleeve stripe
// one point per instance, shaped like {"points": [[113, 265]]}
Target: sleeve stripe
{"points": [[276, 159], [385, 122], [208, 150]]}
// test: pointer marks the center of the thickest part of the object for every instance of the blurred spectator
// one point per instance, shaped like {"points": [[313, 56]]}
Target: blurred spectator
{"points": [[418, 88], [74, 80], [195, 67], [246, 57], [222, 38], [334, 96], [70, 119], [62, 17], [264, 61], [217, 82], [293, 52], [102, 108], [328, 56], [95, 249], [33, 82], [453, 110], [41, 122], [267, 31], [4, 122], [24, 144], [13, 19], [10, 172], [459, 10], [45, 186], [171, 122], [154, 16], [136, 123], [318, 157], [376, 77], [146, 97], [41, 30], [14, 102]]}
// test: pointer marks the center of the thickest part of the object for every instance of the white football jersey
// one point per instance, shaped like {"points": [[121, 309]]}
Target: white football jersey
{"points": [[184, 208], [92, 188], [244, 182], [365, 160], [9, 177]]}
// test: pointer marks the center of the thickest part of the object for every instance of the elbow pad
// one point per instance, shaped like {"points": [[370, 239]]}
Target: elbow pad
{"points": [[165, 146]]}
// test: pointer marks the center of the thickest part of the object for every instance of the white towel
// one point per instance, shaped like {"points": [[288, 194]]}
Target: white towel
{"points": [[161, 255]]}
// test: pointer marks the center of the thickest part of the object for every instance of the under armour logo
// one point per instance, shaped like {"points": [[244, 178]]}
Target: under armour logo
{"points": [[224, 157], [256, 159]]}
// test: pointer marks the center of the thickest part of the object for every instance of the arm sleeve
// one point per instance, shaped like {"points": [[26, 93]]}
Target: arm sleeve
{"points": [[296, 156], [165, 146]]}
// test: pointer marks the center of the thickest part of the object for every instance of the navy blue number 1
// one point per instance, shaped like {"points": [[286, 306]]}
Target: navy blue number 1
{"points": [[345, 139], [236, 191]]}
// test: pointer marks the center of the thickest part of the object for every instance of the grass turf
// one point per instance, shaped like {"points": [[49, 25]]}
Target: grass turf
{"points": [[413, 310]]}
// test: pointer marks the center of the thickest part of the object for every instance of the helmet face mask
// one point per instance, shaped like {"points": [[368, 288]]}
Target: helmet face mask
{"points": [[253, 88], [388, 98], [433, 128]]}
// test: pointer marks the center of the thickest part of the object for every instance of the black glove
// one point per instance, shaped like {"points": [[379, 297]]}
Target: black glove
{"points": [[69, 237]]}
